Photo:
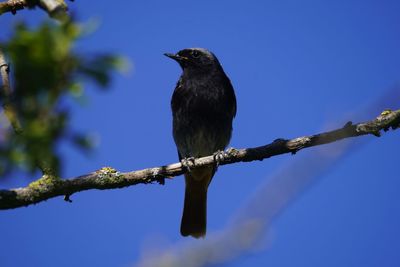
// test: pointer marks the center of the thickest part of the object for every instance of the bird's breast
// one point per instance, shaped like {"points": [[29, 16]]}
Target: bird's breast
{"points": [[202, 116]]}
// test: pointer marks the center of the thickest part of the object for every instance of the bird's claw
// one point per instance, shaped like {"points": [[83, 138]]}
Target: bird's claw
{"points": [[219, 156], [188, 163]]}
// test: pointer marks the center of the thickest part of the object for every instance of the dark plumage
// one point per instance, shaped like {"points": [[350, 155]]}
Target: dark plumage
{"points": [[203, 107]]}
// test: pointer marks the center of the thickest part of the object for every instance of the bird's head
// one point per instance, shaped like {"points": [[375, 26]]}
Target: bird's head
{"points": [[195, 59]]}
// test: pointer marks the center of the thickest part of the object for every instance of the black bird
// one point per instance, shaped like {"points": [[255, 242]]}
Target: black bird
{"points": [[203, 107]]}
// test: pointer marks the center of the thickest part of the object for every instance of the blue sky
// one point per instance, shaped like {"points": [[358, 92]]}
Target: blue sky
{"points": [[298, 67]]}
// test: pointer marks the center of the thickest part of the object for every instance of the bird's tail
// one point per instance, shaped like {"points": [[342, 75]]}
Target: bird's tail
{"points": [[194, 218]]}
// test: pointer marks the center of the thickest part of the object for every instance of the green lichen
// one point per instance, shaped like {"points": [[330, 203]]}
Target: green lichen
{"points": [[45, 182], [386, 112], [107, 170], [109, 175]]}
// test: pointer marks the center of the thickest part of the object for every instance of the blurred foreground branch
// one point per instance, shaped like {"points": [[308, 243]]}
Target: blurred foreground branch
{"points": [[108, 178], [55, 8], [9, 109]]}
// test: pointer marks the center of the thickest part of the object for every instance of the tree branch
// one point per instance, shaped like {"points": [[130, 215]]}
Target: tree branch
{"points": [[12, 6], [55, 8], [4, 71], [9, 109], [108, 178]]}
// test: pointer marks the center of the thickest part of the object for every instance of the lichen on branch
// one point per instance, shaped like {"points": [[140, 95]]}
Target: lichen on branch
{"points": [[108, 178]]}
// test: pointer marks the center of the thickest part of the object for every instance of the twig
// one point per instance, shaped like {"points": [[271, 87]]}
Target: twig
{"points": [[12, 6], [55, 8], [108, 178]]}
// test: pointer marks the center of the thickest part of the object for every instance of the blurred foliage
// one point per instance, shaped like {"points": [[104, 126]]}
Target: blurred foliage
{"points": [[45, 69]]}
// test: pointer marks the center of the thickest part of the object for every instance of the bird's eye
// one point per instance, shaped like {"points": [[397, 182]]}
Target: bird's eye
{"points": [[195, 54]]}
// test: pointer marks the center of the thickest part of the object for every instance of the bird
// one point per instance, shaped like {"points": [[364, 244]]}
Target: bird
{"points": [[203, 107]]}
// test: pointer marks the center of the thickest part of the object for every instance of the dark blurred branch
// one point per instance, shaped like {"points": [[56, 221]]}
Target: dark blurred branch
{"points": [[5, 92], [108, 178], [54, 8]]}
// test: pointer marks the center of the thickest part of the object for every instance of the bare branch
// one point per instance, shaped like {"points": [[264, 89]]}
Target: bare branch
{"points": [[108, 178], [12, 6], [55, 8]]}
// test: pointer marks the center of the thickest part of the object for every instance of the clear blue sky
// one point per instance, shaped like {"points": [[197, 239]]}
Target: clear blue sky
{"points": [[298, 67]]}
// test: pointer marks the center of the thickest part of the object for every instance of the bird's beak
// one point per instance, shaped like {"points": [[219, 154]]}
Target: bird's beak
{"points": [[175, 57]]}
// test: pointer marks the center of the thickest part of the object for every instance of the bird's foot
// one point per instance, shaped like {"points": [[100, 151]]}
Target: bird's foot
{"points": [[219, 156], [188, 163]]}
